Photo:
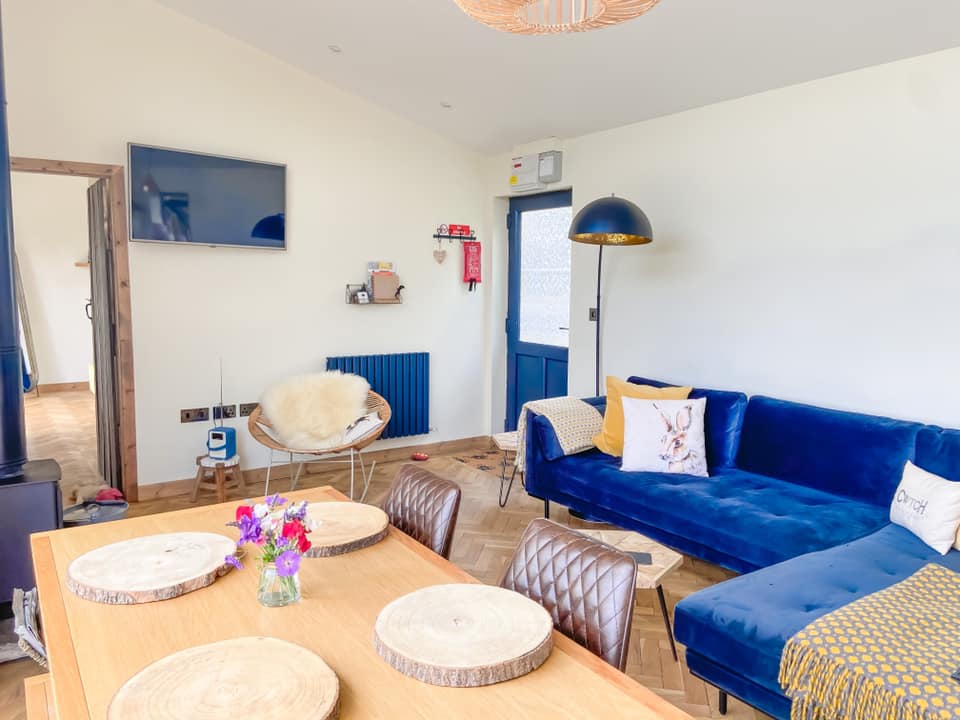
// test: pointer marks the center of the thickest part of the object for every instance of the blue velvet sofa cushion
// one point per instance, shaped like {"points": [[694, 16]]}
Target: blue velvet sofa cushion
{"points": [[721, 421], [747, 521], [859, 456], [744, 623], [938, 451]]}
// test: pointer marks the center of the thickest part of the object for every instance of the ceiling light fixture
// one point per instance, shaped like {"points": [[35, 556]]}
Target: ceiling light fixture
{"points": [[540, 17], [446, 106], [335, 49]]}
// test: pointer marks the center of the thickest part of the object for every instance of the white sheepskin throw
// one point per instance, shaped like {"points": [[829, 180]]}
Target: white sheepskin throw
{"points": [[310, 412]]}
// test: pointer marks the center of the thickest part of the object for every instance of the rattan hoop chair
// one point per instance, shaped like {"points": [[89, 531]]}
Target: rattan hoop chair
{"points": [[262, 431]]}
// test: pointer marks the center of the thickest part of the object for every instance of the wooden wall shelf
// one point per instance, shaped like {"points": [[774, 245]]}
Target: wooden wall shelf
{"points": [[351, 292]]}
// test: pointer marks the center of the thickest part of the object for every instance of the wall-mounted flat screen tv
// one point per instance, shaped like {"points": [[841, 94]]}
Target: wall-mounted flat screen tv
{"points": [[198, 199]]}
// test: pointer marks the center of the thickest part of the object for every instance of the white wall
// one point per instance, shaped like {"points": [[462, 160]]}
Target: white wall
{"points": [[807, 244], [50, 231], [362, 185]]}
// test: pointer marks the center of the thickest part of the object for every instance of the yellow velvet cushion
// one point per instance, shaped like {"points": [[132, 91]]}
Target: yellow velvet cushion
{"points": [[610, 437]]}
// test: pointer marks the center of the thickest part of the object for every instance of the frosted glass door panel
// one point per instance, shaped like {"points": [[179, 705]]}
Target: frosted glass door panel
{"points": [[545, 276]]}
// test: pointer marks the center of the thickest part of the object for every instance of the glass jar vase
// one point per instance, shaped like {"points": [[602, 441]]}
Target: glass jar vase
{"points": [[277, 590]]}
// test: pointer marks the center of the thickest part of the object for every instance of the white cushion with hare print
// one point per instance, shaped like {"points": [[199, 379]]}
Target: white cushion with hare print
{"points": [[664, 436]]}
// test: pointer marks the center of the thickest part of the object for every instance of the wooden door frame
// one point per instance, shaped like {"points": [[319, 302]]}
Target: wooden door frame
{"points": [[119, 238]]}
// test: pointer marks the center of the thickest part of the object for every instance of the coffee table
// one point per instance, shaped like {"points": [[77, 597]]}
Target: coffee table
{"points": [[649, 577]]}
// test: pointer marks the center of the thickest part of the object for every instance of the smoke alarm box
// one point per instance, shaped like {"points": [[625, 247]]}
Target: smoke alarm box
{"points": [[533, 172]]}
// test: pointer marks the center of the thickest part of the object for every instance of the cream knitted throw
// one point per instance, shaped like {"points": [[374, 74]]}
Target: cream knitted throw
{"points": [[574, 421]]}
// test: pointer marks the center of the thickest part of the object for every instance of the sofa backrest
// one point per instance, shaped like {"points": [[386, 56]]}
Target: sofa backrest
{"points": [[722, 420], [938, 451], [850, 454]]}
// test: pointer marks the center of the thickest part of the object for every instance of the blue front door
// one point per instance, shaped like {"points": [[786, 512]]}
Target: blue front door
{"points": [[538, 312]]}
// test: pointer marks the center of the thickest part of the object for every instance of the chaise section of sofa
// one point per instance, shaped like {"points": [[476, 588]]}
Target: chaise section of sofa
{"points": [[735, 632]]}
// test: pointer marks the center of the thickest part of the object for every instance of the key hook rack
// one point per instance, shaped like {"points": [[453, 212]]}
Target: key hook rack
{"points": [[443, 233]]}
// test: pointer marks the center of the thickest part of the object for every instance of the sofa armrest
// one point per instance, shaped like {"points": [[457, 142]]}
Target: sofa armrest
{"points": [[600, 403], [542, 444]]}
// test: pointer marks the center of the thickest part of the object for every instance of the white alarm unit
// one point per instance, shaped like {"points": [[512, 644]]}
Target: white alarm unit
{"points": [[534, 172]]}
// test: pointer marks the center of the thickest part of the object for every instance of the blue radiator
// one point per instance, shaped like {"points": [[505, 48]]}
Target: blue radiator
{"points": [[403, 379]]}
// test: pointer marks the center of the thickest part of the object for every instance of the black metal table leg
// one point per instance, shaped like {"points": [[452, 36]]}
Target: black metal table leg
{"points": [[723, 703], [504, 482], [666, 621]]}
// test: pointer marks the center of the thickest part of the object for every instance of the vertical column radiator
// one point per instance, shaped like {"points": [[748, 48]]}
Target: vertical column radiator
{"points": [[403, 379]]}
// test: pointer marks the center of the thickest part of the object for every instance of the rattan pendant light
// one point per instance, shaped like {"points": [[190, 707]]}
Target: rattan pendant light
{"points": [[538, 17]]}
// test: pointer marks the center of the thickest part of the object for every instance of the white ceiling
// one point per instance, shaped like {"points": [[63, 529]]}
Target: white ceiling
{"points": [[410, 55]]}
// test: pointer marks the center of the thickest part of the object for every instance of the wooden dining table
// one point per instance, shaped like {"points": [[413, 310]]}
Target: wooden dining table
{"points": [[95, 648]]}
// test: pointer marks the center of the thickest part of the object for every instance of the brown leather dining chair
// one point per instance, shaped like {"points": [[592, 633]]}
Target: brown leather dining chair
{"points": [[424, 506], [588, 587]]}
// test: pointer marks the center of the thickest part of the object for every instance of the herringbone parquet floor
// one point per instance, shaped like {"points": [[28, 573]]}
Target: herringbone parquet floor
{"points": [[484, 540]]}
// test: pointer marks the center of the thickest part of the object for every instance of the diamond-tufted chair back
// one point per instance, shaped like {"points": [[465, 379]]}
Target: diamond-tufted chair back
{"points": [[587, 586], [424, 506]]}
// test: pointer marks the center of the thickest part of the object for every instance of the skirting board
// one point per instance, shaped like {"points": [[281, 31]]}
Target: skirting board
{"points": [[62, 387], [281, 470]]}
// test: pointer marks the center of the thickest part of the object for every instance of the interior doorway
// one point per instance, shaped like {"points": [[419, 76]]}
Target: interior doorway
{"points": [[52, 272], [538, 299], [67, 415]]}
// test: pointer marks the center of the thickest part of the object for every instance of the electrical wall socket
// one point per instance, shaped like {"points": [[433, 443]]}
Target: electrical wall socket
{"points": [[247, 408], [593, 315], [189, 415], [224, 412]]}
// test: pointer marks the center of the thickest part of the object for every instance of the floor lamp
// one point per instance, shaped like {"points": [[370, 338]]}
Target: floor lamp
{"points": [[609, 221]]}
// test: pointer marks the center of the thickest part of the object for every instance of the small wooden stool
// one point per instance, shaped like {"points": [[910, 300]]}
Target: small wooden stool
{"points": [[507, 443], [215, 474]]}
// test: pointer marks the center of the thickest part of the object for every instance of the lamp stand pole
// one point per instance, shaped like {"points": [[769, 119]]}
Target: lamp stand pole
{"points": [[576, 513], [597, 356]]}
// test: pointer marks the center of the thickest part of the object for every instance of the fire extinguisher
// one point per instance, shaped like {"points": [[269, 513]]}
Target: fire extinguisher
{"points": [[471, 264]]}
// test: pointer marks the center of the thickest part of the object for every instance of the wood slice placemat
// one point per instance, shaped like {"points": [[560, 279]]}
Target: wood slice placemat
{"points": [[464, 635], [145, 569], [344, 527], [254, 677]]}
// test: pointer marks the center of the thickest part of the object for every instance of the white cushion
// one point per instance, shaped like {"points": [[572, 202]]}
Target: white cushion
{"points": [[664, 436], [928, 506]]}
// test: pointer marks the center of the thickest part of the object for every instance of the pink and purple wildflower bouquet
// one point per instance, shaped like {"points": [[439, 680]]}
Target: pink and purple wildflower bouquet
{"points": [[280, 533]]}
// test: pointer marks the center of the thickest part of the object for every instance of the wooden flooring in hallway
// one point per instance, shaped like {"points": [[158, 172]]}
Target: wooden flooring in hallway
{"points": [[63, 426]]}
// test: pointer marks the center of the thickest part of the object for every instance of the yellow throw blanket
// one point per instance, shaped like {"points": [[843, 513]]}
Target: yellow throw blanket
{"points": [[574, 421], [886, 656]]}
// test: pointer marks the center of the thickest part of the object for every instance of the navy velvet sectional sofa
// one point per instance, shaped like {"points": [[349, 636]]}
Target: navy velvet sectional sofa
{"points": [[798, 500]]}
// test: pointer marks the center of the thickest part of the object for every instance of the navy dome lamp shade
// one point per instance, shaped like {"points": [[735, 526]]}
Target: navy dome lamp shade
{"points": [[609, 221]]}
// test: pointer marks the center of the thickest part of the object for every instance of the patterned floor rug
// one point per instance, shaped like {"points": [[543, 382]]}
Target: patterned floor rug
{"points": [[489, 461]]}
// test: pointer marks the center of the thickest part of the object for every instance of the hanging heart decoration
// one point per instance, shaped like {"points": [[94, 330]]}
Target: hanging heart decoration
{"points": [[439, 255]]}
